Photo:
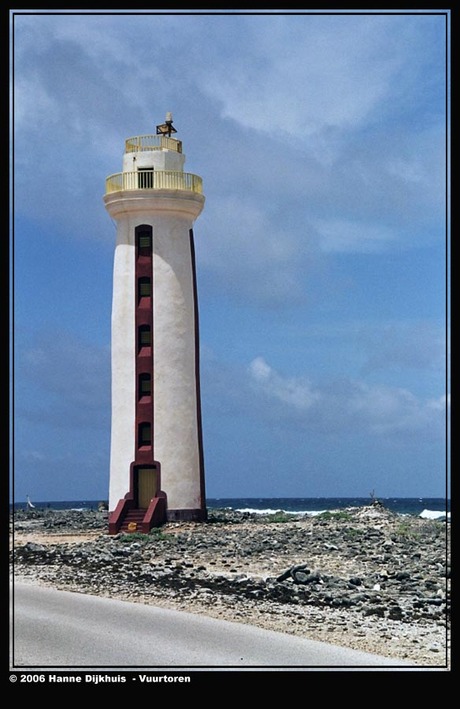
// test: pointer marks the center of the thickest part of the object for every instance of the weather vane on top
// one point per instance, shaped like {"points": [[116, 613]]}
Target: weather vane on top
{"points": [[166, 128]]}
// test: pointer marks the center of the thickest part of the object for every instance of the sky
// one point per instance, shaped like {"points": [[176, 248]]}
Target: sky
{"points": [[322, 252]]}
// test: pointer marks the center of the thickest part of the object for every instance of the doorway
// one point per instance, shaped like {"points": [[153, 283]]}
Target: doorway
{"points": [[147, 485], [145, 178]]}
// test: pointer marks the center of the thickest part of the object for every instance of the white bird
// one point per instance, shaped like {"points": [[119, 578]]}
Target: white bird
{"points": [[29, 504]]}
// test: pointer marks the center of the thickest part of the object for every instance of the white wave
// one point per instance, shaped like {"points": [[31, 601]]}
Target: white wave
{"points": [[268, 511], [314, 513], [434, 514]]}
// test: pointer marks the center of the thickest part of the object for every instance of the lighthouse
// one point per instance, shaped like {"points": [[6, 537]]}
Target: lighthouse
{"points": [[156, 453]]}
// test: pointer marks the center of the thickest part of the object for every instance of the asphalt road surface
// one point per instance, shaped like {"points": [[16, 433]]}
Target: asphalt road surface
{"points": [[61, 630]]}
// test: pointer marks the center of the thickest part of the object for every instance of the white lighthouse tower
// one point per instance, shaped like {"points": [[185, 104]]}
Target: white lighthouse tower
{"points": [[156, 457]]}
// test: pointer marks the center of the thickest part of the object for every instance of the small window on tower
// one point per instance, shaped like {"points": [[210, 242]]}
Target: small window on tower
{"points": [[145, 385], [145, 434], [144, 240], [144, 287], [145, 336]]}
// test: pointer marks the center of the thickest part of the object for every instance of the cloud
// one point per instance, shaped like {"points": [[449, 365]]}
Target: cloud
{"points": [[404, 346], [318, 58], [327, 71], [253, 254], [341, 236], [64, 382], [345, 405], [294, 392], [61, 408], [301, 125]]}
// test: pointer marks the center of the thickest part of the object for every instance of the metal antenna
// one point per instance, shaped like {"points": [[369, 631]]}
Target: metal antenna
{"points": [[167, 127]]}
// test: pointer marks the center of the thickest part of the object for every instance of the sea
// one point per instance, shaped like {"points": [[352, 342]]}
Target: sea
{"points": [[424, 507]]}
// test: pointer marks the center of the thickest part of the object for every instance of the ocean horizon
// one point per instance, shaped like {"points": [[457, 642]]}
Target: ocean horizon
{"points": [[426, 507]]}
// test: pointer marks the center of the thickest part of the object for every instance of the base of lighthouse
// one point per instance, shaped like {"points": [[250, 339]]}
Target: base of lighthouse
{"points": [[197, 515]]}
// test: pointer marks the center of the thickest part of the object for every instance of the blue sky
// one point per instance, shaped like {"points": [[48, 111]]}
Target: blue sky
{"points": [[322, 250]]}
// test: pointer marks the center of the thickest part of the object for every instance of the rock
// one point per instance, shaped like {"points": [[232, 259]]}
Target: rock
{"points": [[355, 581], [237, 560]]}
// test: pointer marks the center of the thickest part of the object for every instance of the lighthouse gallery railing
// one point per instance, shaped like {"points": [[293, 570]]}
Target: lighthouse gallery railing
{"points": [[152, 142], [153, 180]]}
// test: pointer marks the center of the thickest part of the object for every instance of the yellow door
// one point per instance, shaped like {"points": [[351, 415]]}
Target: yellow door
{"points": [[147, 485]]}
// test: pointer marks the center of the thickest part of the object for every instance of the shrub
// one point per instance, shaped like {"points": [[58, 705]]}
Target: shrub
{"points": [[341, 515]]}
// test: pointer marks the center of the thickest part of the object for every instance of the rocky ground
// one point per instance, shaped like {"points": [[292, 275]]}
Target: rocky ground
{"points": [[363, 578]]}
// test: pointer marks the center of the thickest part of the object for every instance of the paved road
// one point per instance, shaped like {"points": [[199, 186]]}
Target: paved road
{"points": [[63, 630]]}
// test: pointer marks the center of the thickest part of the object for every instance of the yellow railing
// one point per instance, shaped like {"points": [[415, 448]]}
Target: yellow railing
{"points": [[152, 142], [154, 180]]}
